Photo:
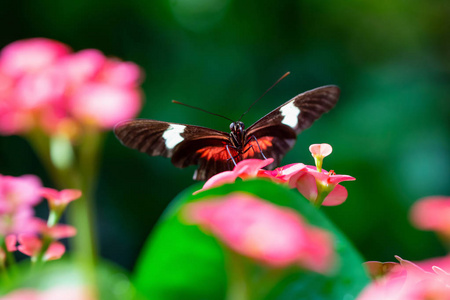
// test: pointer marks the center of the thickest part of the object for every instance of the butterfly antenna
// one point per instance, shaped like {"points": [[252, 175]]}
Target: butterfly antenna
{"points": [[178, 102], [281, 78]]}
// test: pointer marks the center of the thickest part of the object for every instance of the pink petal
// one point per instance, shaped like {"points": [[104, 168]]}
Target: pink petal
{"points": [[31, 55], [60, 231], [247, 168], [19, 191], [320, 150], [54, 251], [329, 178], [11, 241], [305, 184], [284, 173], [336, 197], [29, 244], [60, 197], [105, 105], [38, 89], [218, 180], [443, 262], [83, 66], [118, 73], [432, 213]]}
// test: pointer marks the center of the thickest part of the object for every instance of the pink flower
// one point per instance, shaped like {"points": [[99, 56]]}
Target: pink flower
{"points": [[31, 245], [432, 213], [59, 199], [320, 150], [318, 186], [247, 168], [31, 55], [275, 236], [11, 241], [16, 192], [409, 281], [43, 84], [118, 73], [17, 196], [83, 66], [105, 105], [58, 231], [283, 174], [321, 188]]}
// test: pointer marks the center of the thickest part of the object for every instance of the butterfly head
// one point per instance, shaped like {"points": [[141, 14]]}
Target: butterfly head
{"points": [[237, 133]]}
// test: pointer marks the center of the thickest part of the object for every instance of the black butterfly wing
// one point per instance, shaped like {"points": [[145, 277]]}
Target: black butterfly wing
{"points": [[278, 129], [184, 144]]}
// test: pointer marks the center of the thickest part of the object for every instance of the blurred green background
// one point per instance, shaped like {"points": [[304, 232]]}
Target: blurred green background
{"points": [[389, 130]]}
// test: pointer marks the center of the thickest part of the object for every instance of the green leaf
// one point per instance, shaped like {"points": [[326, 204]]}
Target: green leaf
{"points": [[182, 262]]}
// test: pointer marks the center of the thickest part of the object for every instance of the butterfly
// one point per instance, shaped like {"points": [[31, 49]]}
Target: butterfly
{"points": [[216, 151]]}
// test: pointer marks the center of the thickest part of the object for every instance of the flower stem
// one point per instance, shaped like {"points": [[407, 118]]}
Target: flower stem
{"points": [[80, 174], [237, 288]]}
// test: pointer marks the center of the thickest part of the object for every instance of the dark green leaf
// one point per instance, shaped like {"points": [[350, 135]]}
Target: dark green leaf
{"points": [[182, 262]]}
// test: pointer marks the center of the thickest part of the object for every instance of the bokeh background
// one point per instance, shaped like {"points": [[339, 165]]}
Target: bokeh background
{"points": [[390, 129]]}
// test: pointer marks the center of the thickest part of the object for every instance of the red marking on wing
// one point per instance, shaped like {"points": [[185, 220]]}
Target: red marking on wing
{"points": [[216, 153], [263, 142], [220, 152]]}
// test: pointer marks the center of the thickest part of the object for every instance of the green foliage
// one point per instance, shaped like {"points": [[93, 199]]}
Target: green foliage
{"points": [[181, 262], [112, 281]]}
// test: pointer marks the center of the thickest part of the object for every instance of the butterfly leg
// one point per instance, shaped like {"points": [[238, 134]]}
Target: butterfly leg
{"points": [[231, 156], [256, 140]]}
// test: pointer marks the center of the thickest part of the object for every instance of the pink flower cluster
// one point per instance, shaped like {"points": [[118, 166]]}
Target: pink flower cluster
{"points": [[429, 279], [18, 195], [44, 84], [410, 281], [273, 235], [317, 185]]}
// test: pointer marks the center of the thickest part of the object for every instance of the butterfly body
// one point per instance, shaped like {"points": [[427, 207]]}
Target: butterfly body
{"points": [[216, 151]]}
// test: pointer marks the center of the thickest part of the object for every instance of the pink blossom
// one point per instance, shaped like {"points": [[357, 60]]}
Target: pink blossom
{"points": [[31, 55], [43, 84], [11, 241], [118, 73], [105, 105], [247, 168], [31, 245], [320, 150], [58, 231], [16, 192], [60, 198], [83, 66], [283, 174], [312, 184], [17, 196], [409, 281], [275, 236], [38, 89], [432, 213]]}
